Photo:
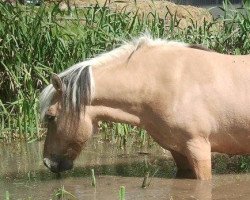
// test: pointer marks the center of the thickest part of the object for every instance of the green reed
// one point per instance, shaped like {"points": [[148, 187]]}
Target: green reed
{"points": [[122, 193], [62, 193], [7, 195], [145, 180], [34, 42], [93, 182]]}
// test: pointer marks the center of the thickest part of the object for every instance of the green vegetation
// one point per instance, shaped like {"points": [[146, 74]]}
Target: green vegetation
{"points": [[122, 193], [145, 180], [62, 194], [93, 183], [232, 164], [7, 195], [34, 42]]}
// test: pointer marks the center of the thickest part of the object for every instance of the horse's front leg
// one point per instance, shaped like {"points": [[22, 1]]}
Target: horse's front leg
{"points": [[184, 169], [198, 153]]}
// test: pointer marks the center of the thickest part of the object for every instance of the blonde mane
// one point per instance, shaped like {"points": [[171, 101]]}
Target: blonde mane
{"points": [[78, 79]]}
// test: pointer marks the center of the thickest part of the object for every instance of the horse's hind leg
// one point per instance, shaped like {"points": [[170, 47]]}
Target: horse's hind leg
{"points": [[198, 152], [184, 169]]}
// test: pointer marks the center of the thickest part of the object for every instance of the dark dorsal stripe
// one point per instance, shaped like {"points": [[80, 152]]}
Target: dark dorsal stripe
{"points": [[200, 47]]}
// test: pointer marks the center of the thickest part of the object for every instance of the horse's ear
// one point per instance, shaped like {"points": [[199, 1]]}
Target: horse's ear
{"points": [[56, 82]]}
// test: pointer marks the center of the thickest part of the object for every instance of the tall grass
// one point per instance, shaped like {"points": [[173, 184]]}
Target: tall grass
{"points": [[34, 42]]}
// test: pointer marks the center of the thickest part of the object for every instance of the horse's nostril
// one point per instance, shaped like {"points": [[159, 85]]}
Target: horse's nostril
{"points": [[51, 164], [58, 165], [46, 162]]}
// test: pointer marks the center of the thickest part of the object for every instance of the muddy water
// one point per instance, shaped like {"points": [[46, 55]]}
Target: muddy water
{"points": [[23, 175]]}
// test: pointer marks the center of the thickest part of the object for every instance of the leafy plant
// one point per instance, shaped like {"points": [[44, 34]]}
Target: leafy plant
{"points": [[34, 42]]}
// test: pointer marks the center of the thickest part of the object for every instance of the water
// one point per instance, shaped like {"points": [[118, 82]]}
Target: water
{"points": [[23, 175]]}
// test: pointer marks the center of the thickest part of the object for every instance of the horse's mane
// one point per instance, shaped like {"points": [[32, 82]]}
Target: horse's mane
{"points": [[78, 83]]}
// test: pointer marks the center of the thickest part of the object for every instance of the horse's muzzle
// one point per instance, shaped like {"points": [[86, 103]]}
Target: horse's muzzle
{"points": [[57, 165]]}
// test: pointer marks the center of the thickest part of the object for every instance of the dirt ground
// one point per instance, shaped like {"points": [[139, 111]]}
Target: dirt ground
{"points": [[184, 13]]}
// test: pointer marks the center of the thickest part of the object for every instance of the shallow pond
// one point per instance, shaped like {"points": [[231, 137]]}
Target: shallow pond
{"points": [[23, 176]]}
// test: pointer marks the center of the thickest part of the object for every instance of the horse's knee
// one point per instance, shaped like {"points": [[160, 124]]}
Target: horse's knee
{"points": [[198, 153]]}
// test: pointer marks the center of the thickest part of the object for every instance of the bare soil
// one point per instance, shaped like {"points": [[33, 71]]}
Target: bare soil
{"points": [[186, 14]]}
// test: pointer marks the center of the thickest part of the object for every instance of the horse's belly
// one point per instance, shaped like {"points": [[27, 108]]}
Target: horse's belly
{"points": [[237, 142]]}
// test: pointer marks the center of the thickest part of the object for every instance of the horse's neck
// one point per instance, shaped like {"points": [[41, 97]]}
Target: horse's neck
{"points": [[117, 94]]}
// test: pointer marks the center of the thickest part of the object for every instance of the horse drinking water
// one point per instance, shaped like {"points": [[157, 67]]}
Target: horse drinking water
{"points": [[191, 101]]}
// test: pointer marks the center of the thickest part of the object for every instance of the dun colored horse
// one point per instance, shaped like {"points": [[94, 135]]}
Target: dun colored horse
{"points": [[190, 100]]}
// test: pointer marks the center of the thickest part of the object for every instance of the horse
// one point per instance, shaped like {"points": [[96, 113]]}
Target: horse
{"points": [[191, 100]]}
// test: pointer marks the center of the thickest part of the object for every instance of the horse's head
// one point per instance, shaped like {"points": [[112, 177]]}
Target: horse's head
{"points": [[67, 130]]}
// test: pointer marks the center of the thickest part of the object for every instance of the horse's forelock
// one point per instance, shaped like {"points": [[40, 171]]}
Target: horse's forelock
{"points": [[76, 93], [77, 90], [45, 99]]}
